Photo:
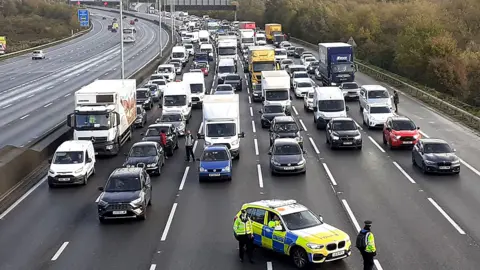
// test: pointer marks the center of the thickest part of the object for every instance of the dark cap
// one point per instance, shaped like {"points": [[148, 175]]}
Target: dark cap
{"points": [[368, 223], [244, 211]]}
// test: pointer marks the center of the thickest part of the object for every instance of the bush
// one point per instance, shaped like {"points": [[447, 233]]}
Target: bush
{"points": [[433, 42], [31, 23]]}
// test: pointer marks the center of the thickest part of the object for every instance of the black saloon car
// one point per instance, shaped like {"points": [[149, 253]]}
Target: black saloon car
{"points": [[141, 120], [148, 155], [269, 112], [126, 194], [435, 156], [153, 135], [287, 157], [285, 127], [312, 67], [144, 98], [234, 80], [343, 133]]}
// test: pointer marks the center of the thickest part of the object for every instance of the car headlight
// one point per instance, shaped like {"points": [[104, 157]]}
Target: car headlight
{"points": [[181, 126], [416, 136], [456, 161], [51, 172], [236, 142], [102, 203], [335, 137], [136, 202], [129, 166], [202, 169], [398, 137], [208, 143], [275, 163], [358, 137], [315, 246], [430, 162], [301, 162], [78, 171], [226, 169], [151, 165]]}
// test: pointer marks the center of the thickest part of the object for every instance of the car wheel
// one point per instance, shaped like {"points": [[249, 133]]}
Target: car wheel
{"points": [[102, 220], [359, 148], [413, 162], [144, 215], [85, 180], [299, 257], [424, 168], [238, 156], [384, 140], [150, 201], [51, 185]]}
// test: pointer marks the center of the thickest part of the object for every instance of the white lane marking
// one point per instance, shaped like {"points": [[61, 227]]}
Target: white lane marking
{"points": [[24, 196], [269, 266], [251, 112], [59, 251], [249, 100], [295, 110], [404, 173], [6, 106], [25, 116], [303, 125], [454, 224], [255, 143], [67, 95], [106, 73], [50, 87], [184, 178], [248, 89], [200, 128], [194, 146], [423, 134], [376, 144], [48, 105], [329, 174], [153, 267], [260, 177], [253, 126], [169, 222], [32, 95], [66, 80], [377, 264], [314, 145], [350, 214]]}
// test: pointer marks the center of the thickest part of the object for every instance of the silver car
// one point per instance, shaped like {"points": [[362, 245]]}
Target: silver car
{"points": [[175, 118], [350, 90]]}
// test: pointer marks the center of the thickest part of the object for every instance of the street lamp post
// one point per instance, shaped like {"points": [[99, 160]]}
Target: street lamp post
{"points": [[160, 26], [172, 15], [122, 59]]}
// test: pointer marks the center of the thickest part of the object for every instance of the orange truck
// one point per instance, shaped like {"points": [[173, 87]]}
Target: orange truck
{"points": [[271, 29]]}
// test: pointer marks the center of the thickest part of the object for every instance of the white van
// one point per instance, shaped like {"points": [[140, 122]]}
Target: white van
{"points": [[72, 163], [225, 67], [190, 49], [180, 53], [203, 37], [196, 83], [177, 97], [208, 48], [328, 103]]}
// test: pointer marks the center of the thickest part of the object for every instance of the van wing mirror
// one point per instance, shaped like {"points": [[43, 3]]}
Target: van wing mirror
{"points": [[89, 160], [347, 108], [200, 136], [71, 120], [50, 160], [241, 135], [117, 119], [101, 189]]}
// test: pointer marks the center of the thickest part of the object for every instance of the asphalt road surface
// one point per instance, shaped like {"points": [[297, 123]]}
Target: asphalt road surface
{"points": [[420, 222], [36, 95]]}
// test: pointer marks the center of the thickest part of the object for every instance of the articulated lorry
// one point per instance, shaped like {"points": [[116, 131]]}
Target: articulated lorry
{"points": [[105, 111], [260, 58], [336, 63], [221, 122], [272, 29], [276, 89]]}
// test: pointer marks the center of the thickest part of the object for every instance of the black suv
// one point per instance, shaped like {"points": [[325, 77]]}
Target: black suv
{"points": [[343, 133], [153, 135], [148, 155], [144, 98], [122, 195], [234, 80], [269, 112], [285, 127]]}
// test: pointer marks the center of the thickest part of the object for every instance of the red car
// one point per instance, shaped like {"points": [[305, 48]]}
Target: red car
{"points": [[400, 131], [132, 22], [203, 67]]}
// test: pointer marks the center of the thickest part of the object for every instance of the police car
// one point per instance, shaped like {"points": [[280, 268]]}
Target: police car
{"points": [[302, 234]]}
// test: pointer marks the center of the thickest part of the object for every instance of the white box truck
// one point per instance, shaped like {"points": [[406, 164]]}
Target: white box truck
{"points": [[105, 111], [221, 122], [276, 89]]}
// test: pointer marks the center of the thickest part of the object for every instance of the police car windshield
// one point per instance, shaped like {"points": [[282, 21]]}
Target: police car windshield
{"points": [[214, 155], [301, 220]]}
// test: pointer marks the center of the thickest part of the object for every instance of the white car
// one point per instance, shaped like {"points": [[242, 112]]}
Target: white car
{"points": [[303, 86], [350, 90], [178, 67], [224, 89], [307, 60], [168, 70], [190, 49], [375, 115], [305, 55], [38, 54], [298, 75], [374, 94], [162, 84], [280, 54], [286, 62], [308, 100], [285, 44]]}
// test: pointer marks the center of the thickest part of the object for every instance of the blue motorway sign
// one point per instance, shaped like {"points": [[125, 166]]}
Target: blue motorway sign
{"points": [[83, 15], [84, 24]]}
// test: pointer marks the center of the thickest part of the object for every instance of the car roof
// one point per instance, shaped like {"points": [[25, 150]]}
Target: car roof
{"points": [[342, 119], [172, 111], [216, 147], [143, 89], [166, 65], [378, 105], [224, 84], [133, 172], [284, 119], [431, 140], [284, 141], [296, 66], [371, 87], [300, 71], [160, 125], [304, 80], [144, 143], [402, 118], [74, 145], [287, 60], [283, 207]]}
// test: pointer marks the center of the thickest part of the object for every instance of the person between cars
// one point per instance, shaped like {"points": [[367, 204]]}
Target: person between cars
{"points": [[189, 141], [396, 100], [243, 230]]}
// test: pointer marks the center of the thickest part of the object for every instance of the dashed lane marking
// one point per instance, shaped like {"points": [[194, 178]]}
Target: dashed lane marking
{"points": [[454, 224], [295, 110], [59, 251], [303, 125], [253, 126], [255, 143], [169, 222], [376, 144], [404, 172], [184, 178], [314, 145], [330, 176], [260, 176], [251, 112]]}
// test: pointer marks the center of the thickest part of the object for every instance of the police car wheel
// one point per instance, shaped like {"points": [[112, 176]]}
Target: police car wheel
{"points": [[299, 257]]}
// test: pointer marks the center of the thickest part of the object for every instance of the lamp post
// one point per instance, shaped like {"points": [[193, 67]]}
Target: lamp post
{"points": [[160, 26], [122, 58]]}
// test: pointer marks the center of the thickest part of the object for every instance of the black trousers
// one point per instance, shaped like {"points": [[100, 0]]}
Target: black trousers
{"points": [[367, 260], [245, 242], [396, 107], [189, 153]]}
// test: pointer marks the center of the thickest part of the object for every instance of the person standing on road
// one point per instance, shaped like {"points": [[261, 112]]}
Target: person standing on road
{"points": [[189, 141], [163, 140], [242, 227], [396, 100], [366, 245]]}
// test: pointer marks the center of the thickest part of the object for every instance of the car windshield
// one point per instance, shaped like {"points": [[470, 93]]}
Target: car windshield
{"points": [[73, 157], [171, 118], [92, 121], [227, 51], [214, 155], [273, 109], [165, 70], [123, 184], [308, 59], [378, 94], [263, 66], [206, 50], [159, 82], [301, 220], [202, 65], [331, 105], [344, 125], [152, 87], [223, 88], [287, 62], [439, 148], [297, 75], [403, 125], [293, 70], [176, 64], [216, 130], [304, 84], [379, 110], [143, 151], [287, 149], [280, 52], [247, 40], [175, 100], [188, 46], [276, 95], [178, 55], [286, 127], [226, 69], [232, 78], [142, 94], [299, 50], [349, 86], [314, 64], [196, 88]]}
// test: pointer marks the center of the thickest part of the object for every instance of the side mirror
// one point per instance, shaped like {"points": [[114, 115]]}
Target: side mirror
{"points": [[189, 104], [117, 119], [260, 111], [71, 120], [320, 217], [389, 129], [314, 108], [200, 136], [304, 152], [241, 135], [269, 153], [197, 159], [418, 127], [263, 98], [101, 189], [278, 228], [347, 108], [89, 160], [291, 97], [142, 134], [49, 160], [454, 150]]}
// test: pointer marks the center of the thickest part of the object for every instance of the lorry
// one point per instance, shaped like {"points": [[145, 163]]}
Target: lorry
{"points": [[105, 111], [247, 38], [276, 89], [247, 25], [336, 63], [227, 50], [221, 122], [260, 58], [271, 29]]}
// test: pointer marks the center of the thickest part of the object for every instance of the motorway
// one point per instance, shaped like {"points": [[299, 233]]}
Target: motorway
{"points": [[420, 222], [36, 95]]}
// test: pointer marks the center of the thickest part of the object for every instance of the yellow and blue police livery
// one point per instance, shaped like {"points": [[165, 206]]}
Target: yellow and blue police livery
{"points": [[290, 228]]}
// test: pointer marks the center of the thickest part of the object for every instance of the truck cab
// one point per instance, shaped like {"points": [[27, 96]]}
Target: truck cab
{"points": [[336, 63], [196, 83]]}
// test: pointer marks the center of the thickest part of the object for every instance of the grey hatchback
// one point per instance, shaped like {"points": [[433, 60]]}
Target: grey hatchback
{"points": [[287, 157]]}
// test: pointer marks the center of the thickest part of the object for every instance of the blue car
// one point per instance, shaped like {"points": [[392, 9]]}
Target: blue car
{"points": [[215, 164]]}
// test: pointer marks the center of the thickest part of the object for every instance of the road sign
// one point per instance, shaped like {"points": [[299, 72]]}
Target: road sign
{"points": [[83, 17], [352, 42], [84, 24]]}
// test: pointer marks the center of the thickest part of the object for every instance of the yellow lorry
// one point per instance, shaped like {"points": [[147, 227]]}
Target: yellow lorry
{"points": [[271, 29], [260, 58]]}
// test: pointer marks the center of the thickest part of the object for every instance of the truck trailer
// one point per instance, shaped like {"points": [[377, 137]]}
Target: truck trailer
{"points": [[336, 63]]}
